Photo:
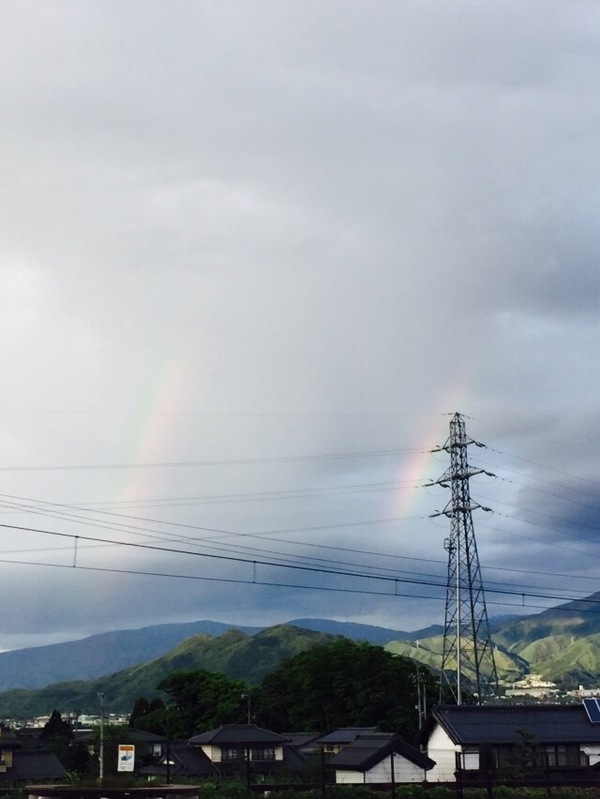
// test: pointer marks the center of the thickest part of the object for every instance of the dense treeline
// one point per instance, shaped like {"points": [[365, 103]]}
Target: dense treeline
{"points": [[342, 683]]}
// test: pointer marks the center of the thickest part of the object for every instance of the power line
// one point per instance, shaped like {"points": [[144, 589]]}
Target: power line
{"points": [[159, 535], [382, 453], [294, 567]]}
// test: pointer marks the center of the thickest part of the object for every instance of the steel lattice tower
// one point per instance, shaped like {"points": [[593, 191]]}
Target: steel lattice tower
{"points": [[468, 653]]}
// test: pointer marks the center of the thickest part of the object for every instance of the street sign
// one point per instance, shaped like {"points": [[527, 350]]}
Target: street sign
{"points": [[126, 757]]}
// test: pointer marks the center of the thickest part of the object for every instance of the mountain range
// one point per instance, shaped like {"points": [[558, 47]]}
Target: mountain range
{"points": [[105, 653], [562, 644]]}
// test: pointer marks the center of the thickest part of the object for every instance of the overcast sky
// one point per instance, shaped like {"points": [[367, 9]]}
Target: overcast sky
{"points": [[253, 255]]}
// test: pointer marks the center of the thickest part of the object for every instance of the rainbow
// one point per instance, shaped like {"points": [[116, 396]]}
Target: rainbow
{"points": [[421, 465], [155, 425]]}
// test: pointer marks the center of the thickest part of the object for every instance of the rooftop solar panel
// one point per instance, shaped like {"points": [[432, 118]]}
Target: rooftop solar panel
{"points": [[592, 708]]}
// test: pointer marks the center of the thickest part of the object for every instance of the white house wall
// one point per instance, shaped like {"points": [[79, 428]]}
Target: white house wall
{"points": [[213, 753], [442, 750], [404, 771], [349, 777], [593, 753]]}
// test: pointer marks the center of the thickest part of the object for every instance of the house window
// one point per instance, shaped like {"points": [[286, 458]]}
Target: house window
{"points": [[561, 755], [470, 760], [233, 753], [539, 757], [263, 753]]}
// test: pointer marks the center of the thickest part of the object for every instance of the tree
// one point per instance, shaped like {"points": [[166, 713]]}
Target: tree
{"points": [[199, 700], [150, 716], [56, 727], [339, 684], [58, 734]]}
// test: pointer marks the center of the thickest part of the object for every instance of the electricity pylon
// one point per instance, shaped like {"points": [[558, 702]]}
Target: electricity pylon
{"points": [[468, 653]]}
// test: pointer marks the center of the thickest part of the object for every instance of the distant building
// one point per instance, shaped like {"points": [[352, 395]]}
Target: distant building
{"points": [[533, 685]]}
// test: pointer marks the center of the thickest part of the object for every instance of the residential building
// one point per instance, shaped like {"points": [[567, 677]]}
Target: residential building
{"points": [[381, 758], [233, 748], [474, 737], [19, 766]]}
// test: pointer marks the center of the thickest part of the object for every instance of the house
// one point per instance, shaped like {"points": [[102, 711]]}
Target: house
{"points": [[379, 758], [149, 747], [38, 765], [470, 737], [8, 744], [236, 748], [19, 766]]}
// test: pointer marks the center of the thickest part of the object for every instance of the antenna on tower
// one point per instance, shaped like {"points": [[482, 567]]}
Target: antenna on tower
{"points": [[468, 653]]}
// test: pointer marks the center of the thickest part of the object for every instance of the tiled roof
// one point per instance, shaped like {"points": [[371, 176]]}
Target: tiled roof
{"points": [[300, 739], [502, 724], [130, 735], [292, 758], [8, 739], [186, 761], [191, 760], [345, 734], [368, 750], [35, 765], [238, 734], [304, 742]]}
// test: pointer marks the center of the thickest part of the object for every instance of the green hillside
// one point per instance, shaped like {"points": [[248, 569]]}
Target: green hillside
{"points": [[429, 652], [234, 654], [565, 659], [562, 644], [580, 618]]}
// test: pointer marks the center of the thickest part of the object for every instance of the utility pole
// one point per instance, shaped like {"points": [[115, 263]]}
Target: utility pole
{"points": [[468, 653], [248, 697], [421, 697], [101, 773]]}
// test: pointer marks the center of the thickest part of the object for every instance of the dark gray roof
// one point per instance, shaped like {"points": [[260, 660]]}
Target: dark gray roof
{"points": [[8, 739], [305, 742], [129, 735], [345, 734], [292, 758], [367, 750], [35, 765], [186, 761], [502, 724], [238, 735], [191, 759], [301, 739], [133, 735]]}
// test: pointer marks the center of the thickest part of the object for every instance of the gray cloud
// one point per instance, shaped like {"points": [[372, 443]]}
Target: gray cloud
{"points": [[236, 234]]}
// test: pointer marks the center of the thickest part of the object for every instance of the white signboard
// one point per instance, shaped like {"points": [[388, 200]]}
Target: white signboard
{"points": [[126, 757]]}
